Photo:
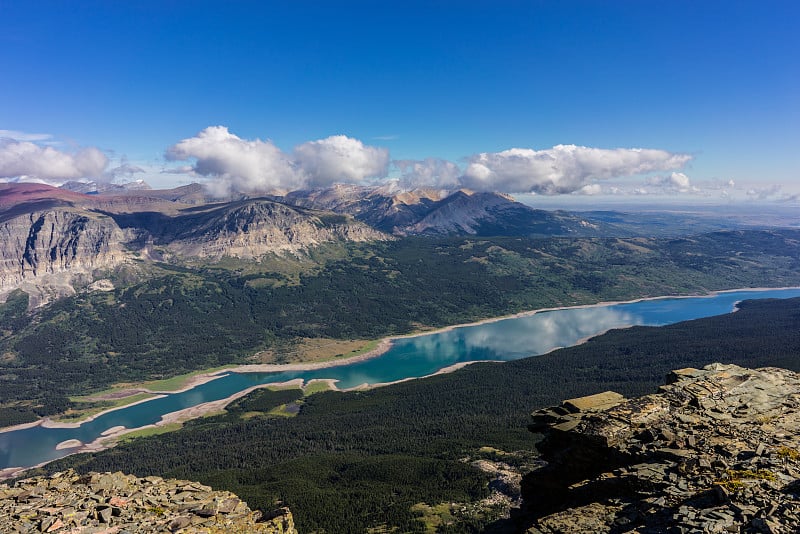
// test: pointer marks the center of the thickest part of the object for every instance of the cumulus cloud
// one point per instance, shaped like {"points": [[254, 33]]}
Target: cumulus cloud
{"points": [[677, 181], [563, 168], [339, 158], [233, 163], [239, 164], [27, 160], [257, 166], [430, 172], [590, 190], [123, 172]]}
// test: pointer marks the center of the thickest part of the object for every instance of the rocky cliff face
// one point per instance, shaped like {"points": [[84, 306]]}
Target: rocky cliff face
{"points": [[46, 251], [434, 212], [252, 228], [383, 208], [52, 240], [116, 503], [716, 450]]}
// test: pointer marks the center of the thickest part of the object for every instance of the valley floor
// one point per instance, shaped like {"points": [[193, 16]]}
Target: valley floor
{"points": [[174, 420]]}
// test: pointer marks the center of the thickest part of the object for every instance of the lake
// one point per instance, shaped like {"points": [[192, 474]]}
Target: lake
{"points": [[410, 357]]}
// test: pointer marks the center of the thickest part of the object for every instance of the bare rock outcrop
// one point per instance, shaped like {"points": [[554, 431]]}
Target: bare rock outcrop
{"points": [[45, 252], [715, 450], [53, 241], [112, 503], [251, 229]]}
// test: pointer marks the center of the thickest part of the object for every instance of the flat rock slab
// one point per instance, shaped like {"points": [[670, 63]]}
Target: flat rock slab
{"points": [[116, 502], [715, 450]]}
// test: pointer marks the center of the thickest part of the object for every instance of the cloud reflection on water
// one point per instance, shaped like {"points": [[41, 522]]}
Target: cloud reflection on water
{"points": [[510, 339]]}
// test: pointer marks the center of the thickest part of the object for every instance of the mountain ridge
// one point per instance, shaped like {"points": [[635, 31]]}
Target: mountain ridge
{"points": [[440, 212], [92, 235], [54, 240]]}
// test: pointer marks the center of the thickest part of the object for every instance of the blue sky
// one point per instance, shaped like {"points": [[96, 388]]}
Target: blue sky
{"points": [[716, 82]]}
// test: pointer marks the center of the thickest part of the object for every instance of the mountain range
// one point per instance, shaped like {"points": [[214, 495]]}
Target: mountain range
{"points": [[54, 239]]}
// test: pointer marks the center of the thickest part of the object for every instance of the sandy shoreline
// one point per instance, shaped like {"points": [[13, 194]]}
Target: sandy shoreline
{"points": [[107, 440], [383, 345]]}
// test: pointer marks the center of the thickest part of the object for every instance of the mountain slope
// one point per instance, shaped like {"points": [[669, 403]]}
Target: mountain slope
{"points": [[249, 229], [715, 450], [432, 212], [382, 208], [46, 251], [496, 214], [52, 239]]}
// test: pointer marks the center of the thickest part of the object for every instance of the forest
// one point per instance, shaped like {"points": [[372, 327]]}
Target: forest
{"points": [[189, 319], [359, 460]]}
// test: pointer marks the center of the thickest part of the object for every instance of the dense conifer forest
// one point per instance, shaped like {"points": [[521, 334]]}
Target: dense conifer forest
{"points": [[188, 319], [352, 461]]}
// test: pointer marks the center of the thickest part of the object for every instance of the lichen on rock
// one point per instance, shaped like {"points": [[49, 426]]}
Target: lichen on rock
{"points": [[715, 450], [68, 502]]}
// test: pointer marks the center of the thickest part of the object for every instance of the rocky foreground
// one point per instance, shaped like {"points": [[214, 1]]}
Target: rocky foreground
{"points": [[112, 503], [716, 450]]}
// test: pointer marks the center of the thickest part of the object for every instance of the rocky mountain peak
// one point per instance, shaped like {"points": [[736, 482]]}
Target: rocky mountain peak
{"points": [[715, 450], [253, 228], [116, 503], [53, 240], [418, 195]]}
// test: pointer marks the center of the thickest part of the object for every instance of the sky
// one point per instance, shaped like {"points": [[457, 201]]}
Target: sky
{"points": [[563, 99]]}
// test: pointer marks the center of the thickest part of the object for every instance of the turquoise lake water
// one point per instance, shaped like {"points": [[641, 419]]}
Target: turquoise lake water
{"points": [[505, 339]]}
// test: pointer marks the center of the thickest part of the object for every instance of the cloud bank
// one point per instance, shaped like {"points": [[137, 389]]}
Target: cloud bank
{"points": [[677, 181], [27, 160], [430, 172], [233, 163], [563, 168], [257, 166]]}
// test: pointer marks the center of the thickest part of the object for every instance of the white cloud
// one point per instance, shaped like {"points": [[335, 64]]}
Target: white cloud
{"points": [[24, 159], [677, 181], [254, 166], [563, 168], [16, 135], [764, 193], [247, 166], [590, 190], [430, 172], [123, 172], [183, 169], [339, 158]]}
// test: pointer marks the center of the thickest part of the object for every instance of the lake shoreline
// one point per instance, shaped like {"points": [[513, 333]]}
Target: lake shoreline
{"points": [[110, 437], [382, 347]]}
